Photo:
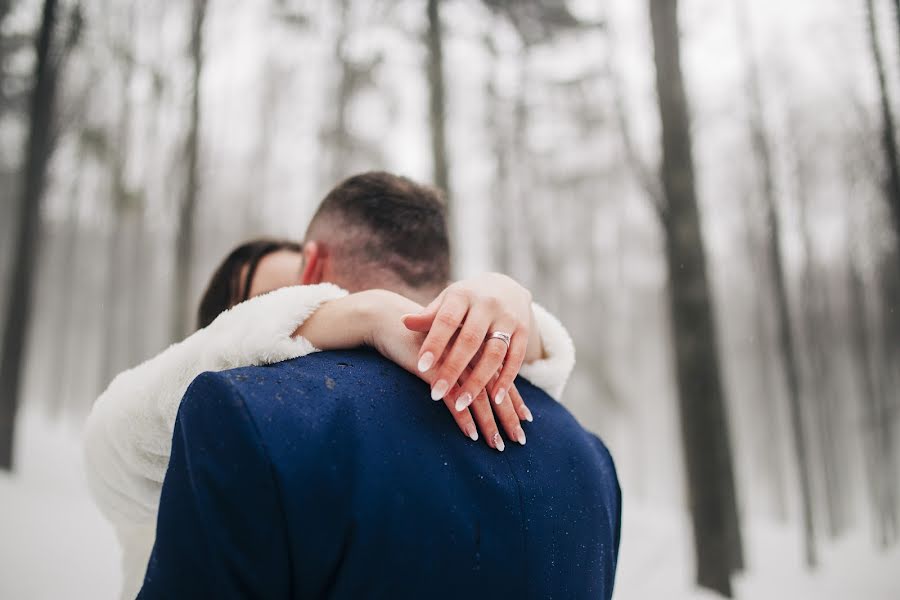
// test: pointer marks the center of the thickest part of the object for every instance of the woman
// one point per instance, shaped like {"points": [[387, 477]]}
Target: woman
{"points": [[252, 313]]}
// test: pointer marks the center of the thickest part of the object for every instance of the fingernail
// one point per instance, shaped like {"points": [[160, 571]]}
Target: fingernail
{"points": [[498, 442], [470, 431], [440, 388], [528, 415], [426, 362], [520, 436], [498, 397], [463, 401]]}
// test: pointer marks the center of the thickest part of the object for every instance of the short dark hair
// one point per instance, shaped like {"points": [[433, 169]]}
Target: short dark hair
{"points": [[230, 284], [381, 222]]}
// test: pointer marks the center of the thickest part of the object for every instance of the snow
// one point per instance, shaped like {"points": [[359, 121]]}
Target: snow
{"points": [[656, 562], [55, 544]]}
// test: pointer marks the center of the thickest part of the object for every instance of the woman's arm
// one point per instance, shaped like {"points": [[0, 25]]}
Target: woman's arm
{"points": [[128, 434], [374, 318]]}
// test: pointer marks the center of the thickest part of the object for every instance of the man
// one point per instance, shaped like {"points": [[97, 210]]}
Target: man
{"points": [[324, 476]]}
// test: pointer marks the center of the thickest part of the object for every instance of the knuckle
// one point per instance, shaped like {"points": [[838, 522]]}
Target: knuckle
{"points": [[518, 352], [458, 294], [492, 302], [475, 386], [469, 338], [453, 368], [447, 319], [490, 430], [496, 352], [485, 420]]}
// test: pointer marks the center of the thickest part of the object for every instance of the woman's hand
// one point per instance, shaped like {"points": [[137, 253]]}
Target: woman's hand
{"points": [[373, 318], [402, 345], [458, 324]]}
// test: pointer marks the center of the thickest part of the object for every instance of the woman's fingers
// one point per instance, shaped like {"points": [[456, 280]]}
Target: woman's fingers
{"points": [[490, 417], [519, 404], [487, 365], [514, 358], [422, 321], [509, 420], [449, 316], [463, 417], [484, 417], [459, 354]]}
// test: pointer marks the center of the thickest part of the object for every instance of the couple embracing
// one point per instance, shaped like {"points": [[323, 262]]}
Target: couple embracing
{"points": [[348, 423]]}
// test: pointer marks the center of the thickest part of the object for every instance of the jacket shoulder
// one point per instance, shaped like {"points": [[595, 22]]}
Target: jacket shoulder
{"points": [[322, 395], [331, 374]]}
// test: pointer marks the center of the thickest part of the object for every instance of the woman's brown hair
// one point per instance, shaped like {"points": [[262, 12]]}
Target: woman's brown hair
{"points": [[230, 284]]}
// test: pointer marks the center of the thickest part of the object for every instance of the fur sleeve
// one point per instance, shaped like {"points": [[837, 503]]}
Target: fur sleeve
{"points": [[551, 372], [128, 435]]}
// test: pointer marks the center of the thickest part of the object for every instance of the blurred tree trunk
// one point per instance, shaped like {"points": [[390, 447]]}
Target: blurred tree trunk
{"points": [[762, 343], [890, 393], [786, 342], [184, 235], [64, 326], [882, 408], [137, 274], [336, 137], [704, 422], [888, 132], [497, 126], [897, 14], [8, 176], [22, 283], [115, 294], [868, 376], [536, 232], [5, 5], [822, 389], [890, 293], [122, 212], [437, 98]]}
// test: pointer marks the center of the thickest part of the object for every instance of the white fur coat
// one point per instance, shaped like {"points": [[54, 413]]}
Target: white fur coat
{"points": [[129, 431]]}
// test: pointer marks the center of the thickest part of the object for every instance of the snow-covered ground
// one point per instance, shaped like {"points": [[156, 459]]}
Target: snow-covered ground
{"points": [[656, 562], [54, 544]]}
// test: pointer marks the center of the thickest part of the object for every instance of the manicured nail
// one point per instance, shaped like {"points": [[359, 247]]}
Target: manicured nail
{"points": [[498, 397], [463, 401], [439, 389], [520, 436], [498, 442], [528, 415], [426, 362], [470, 431]]}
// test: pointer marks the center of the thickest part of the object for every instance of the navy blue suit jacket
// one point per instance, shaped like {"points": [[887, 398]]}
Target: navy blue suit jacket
{"points": [[335, 476]]}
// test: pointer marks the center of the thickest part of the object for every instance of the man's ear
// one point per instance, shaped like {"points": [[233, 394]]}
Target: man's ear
{"points": [[313, 264]]}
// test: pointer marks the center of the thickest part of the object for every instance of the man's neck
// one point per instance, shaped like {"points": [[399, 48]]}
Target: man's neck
{"points": [[421, 296]]}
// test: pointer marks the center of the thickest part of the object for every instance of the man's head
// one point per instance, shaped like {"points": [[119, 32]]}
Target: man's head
{"points": [[377, 230], [374, 230]]}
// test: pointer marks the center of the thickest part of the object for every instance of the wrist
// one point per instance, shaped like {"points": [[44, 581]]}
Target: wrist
{"points": [[372, 311]]}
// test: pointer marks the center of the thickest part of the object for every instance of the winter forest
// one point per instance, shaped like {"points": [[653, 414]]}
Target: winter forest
{"points": [[707, 192]]}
